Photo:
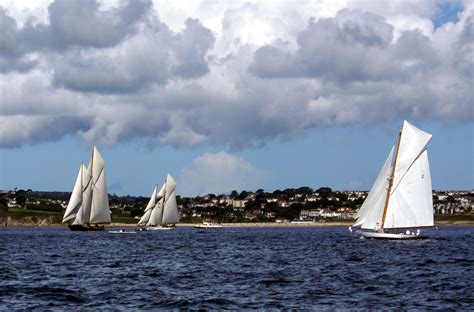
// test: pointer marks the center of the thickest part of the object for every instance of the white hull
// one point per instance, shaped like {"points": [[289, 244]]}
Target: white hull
{"points": [[380, 235], [122, 232], [208, 226], [158, 228]]}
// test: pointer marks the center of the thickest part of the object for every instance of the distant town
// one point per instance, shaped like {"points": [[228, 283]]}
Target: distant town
{"points": [[302, 204]]}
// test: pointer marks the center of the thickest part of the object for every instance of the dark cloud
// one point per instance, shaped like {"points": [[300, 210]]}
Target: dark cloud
{"points": [[189, 49], [22, 129], [81, 23], [353, 46], [154, 56], [94, 50], [12, 48], [72, 24]]}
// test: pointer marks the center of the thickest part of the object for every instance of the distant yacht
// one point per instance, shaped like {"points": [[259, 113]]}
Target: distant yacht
{"points": [[401, 198], [88, 207], [161, 213]]}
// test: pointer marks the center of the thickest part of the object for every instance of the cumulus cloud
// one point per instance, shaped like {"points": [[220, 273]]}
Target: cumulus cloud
{"points": [[353, 46], [72, 24], [366, 72], [238, 74], [217, 172], [154, 56]]}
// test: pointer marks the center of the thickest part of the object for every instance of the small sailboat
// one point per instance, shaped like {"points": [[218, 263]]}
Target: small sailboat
{"points": [[161, 213], [401, 199], [88, 207]]}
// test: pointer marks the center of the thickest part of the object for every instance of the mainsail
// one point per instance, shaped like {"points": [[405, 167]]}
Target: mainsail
{"points": [[89, 203], [100, 212], [402, 195], [370, 214]]}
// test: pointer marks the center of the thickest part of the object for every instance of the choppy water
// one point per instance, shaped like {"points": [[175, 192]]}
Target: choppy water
{"points": [[233, 268]]}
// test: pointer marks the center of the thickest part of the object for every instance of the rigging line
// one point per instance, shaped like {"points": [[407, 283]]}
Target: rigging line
{"points": [[98, 176]]}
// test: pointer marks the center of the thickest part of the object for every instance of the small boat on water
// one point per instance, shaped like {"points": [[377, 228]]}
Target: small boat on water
{"points": [[88, 207], [122, 231], [208, 225], [161, 213], [400, 202]]}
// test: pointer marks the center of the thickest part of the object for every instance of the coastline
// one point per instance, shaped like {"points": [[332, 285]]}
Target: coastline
{"points": [[49, 222]]}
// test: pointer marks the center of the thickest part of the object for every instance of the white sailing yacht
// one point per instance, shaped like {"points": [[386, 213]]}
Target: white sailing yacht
{"points": [[88, 207], [401, 198], [161, 213]]}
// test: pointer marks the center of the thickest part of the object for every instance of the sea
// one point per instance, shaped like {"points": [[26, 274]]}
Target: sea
{"points": [[246, 268]]}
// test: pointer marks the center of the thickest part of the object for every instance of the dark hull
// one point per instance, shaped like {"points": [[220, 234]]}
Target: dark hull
{"points": [[81, 227]]}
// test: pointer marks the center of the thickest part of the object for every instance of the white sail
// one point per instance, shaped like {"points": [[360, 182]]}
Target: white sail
{"points": [[146, 216], [86, 195], [151, 204], [157, 211], [75, 200], [411, 201], [412, 143], [170, 209], [84, 211], [370, 214], [100, 211]]}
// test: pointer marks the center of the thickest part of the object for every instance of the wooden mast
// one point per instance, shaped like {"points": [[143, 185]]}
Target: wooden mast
{"points": [[390, 183]]}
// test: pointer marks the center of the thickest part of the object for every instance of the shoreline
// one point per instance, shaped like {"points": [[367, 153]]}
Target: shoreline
{"points": [[313, 224], [51, 221], [234, 225]]}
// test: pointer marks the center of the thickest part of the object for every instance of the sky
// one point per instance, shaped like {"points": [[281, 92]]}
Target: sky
{"points": [[232, 95]]}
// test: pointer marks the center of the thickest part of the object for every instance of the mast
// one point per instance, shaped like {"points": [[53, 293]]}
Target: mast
{"points": [[163, 202], [390, 183]]}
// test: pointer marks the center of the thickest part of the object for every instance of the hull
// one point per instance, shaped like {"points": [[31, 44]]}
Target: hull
{"points": [[158, 228], [122, 232], [83, 227], [208, 226], [398, 236]]}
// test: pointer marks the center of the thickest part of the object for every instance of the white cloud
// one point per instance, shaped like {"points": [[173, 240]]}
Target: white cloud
{"points": [[217, 173], [153, 73]]}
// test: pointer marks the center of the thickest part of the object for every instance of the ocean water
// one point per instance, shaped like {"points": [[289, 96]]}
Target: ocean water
{"points": [[318, 268]]}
